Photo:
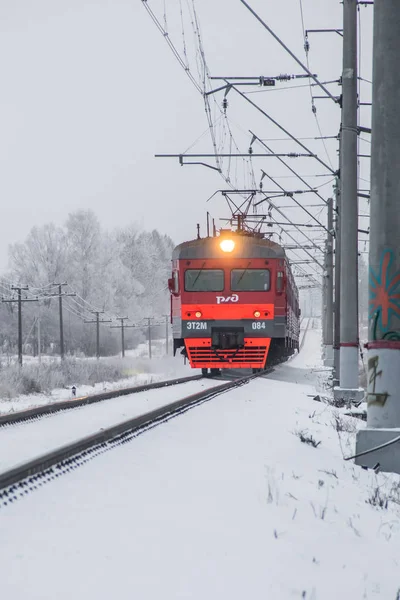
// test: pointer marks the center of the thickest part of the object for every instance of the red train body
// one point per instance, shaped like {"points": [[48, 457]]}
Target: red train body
{"points": [[234, 302]]}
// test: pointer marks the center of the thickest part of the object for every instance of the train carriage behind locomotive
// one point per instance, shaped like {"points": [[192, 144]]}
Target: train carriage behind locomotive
{"points": [[234, 302]]}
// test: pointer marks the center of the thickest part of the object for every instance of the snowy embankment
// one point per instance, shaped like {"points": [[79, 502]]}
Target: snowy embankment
{"points": [[87, 375], [21, 442], [229, 500]]}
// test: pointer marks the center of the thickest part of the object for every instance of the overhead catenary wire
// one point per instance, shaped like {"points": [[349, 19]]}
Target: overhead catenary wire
{"points": [[300, 177], [174, 50], [276, 37], [313, 107], [223, 138]]}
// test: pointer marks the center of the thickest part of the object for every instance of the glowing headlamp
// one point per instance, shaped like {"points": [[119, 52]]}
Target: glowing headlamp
{"points": [[227, 245]]}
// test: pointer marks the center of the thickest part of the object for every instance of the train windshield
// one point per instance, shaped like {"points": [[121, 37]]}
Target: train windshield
{"points": [[204, 280], [250, 280]]}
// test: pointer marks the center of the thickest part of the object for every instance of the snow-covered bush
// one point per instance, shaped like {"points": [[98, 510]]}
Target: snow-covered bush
{"points": [[42, 378]]}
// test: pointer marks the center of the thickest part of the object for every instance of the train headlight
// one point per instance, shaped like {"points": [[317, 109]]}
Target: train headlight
{"points": [[257, 314], [198, 314], [227, 245]]}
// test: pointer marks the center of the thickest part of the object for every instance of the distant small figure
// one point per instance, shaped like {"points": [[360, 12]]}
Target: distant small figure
{"points": [[73, 389]]}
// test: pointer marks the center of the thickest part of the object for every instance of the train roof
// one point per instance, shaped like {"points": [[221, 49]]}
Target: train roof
{"points": [[246, 246]]}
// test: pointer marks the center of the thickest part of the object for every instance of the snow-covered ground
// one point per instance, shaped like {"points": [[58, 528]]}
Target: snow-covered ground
{"points": [[24, 441], [223, 502], [146, 371]]}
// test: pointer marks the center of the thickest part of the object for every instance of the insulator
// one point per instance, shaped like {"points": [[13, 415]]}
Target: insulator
{"points": [[224, 103], [306, 45], [314, 109], [250, 150]]}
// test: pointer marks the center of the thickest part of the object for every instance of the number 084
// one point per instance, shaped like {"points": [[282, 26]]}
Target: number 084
{"points": [[257, 325]]}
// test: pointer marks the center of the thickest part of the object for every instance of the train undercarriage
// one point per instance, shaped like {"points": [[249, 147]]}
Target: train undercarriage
{"points": [[230, 349]]}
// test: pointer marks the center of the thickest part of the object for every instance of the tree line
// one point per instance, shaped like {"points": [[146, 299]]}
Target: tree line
{"points": [[123, 272]]}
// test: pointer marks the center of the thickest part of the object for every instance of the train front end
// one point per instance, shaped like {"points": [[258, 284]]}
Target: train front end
{"points": [[227, 300]]}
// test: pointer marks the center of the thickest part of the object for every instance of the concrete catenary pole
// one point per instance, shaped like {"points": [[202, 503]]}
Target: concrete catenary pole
{"points": [[329, 288], [383, 421], [336, 329], [324, 299], [349, 208]]}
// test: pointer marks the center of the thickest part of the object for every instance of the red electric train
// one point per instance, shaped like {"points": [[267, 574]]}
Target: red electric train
{"points": [[234, 302]]}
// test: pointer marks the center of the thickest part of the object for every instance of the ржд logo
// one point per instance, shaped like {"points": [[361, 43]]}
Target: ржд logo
{"points": [[223, 299]]}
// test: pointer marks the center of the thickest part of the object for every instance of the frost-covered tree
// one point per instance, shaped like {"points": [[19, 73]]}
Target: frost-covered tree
{"points": [[42, 258], [84, 251], [123, 272]]}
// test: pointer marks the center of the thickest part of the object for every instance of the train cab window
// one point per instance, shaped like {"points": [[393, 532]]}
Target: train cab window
{"points": [[204, 280], [250, 280]]}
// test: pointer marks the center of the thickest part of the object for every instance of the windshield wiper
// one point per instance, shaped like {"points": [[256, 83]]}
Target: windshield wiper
{"points": [[198, 275], [242, 275]]}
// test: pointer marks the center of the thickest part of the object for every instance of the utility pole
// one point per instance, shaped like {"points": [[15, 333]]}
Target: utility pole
{"points": [[60, 307], [383, 397], [98, 321], [349, 387], [149, 334], [166, 332], [60, 294], [39, 340], [19, 300], [61, 321], [336, 324], [329, 288], [122, 327]]}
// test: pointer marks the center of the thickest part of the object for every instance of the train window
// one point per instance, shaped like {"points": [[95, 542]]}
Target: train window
{"points": [[250, 280], [204, 280], [279, 281]]}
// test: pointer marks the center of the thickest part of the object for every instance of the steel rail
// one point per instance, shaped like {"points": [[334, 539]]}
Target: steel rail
{"points": [[15, 481], [55, 407]]}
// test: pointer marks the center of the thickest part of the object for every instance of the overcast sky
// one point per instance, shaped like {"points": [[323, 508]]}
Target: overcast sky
{"points": [[91, 91]]}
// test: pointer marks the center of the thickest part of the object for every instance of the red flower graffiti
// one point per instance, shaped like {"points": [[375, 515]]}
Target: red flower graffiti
{"points": [[384, 292]]}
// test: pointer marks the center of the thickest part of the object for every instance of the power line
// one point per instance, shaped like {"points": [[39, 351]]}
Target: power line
{"points": [[313, 107]]}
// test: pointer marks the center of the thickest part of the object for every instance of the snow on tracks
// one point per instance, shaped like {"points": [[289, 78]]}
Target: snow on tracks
{"points": [[43, 410], [30, 439]]}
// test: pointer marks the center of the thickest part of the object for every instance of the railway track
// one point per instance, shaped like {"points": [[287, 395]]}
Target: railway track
{"points": [[20, 479], [56, 407], [23, 440]]}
